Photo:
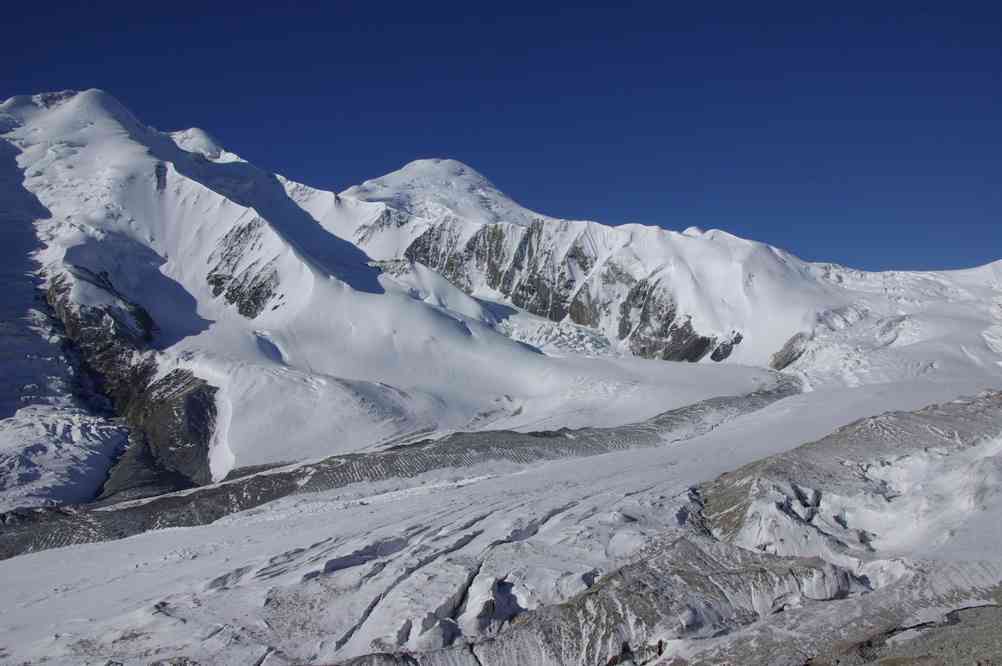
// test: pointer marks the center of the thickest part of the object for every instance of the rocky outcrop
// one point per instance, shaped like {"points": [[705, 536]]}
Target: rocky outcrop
{"points": [[538, 274], [110, 339], [249, 286], [726, 346], [793, 349], [176, 416], [649, 322], [171, 418]]}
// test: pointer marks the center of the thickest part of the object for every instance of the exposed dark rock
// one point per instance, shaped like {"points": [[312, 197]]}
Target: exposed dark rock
{"points": [[725, 348], [652, 329], [171, 419], [160, 172], [138, 473], [439, 248], [110, 340], [389, 218], [251, 287], [790, 352], [177, 418], [522, 264]]}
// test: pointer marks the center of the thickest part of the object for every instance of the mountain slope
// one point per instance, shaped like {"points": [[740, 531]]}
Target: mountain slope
{"points": [[650, 292], [236, 318], [231, 329]]}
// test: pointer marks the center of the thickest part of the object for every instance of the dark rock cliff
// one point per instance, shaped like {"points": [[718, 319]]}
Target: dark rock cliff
{"points": [[534, 274], [171, 418]]}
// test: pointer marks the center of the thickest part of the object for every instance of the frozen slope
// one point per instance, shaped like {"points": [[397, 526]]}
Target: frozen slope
{"points": [[204, 266], [652, 292], [901, 325]]}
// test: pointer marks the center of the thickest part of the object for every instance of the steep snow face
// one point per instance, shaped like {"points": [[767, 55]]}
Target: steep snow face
{"points": [[311, 350], [385, 215]]}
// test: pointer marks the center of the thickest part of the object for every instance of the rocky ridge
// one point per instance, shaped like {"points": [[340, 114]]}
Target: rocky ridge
{"points": [[171, 417]]}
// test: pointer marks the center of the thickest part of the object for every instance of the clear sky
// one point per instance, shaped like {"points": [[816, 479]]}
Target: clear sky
{"points": [[869, 135]]}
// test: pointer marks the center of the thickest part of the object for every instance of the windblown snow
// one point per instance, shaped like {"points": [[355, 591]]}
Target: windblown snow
{"points": [[426, 309]]}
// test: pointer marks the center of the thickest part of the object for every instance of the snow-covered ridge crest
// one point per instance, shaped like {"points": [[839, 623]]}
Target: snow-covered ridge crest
{"points": [[650, 291], [198, 141]]}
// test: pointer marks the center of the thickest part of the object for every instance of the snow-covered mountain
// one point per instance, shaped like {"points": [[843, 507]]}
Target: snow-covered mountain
{"points": [[650, 292], [274, 322], [488, 399], [233, 330]]}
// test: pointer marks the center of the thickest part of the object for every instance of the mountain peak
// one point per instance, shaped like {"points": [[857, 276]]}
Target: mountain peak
{"points": [[437, 186], [435, 170], [198, 141], [66, 109], [441, 164]]}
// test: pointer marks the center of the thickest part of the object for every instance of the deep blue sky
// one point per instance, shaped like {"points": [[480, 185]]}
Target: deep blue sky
{"points": [[863, 136]]}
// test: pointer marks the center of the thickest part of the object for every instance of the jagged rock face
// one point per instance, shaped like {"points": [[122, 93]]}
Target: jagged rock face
{"points": [[177, 416], [528, 266], [248, 286], [171, 419], [649, 322], [725, 348], [110, 340]]}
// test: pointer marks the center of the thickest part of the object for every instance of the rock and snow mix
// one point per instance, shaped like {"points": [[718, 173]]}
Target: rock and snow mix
{"points": [[436, 411]]}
